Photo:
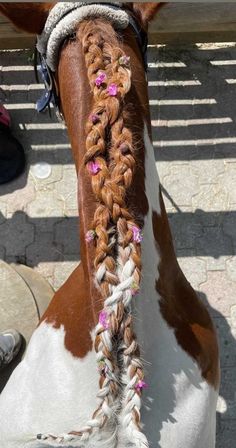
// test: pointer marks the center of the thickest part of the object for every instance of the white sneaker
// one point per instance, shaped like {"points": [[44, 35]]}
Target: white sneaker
{"points": [[10, 343]]}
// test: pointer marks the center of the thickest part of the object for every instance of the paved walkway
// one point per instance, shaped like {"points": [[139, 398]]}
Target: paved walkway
{"points": [[192, 98]]}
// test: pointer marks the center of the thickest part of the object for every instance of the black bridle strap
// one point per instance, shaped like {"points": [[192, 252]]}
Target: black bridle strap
{"points": [[142, 39], [50, 93]]}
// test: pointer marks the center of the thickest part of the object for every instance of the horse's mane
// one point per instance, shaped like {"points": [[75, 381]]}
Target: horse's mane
{"points": [[110, 161]]}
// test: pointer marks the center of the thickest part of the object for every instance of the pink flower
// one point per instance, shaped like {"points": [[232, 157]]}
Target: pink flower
{"points": [[124, 60], [100, 79], [94, 118], [124, 148], [137, 236], [90, 236], [134, 289], [103, 319], [102, 367], [93, 168], [141, 385], [112, 89]]}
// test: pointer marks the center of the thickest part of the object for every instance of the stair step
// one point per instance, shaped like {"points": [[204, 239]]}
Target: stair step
{"points": [[17, 304], [41, 290], [17, 310]]}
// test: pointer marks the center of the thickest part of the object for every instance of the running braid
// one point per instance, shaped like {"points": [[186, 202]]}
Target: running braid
{"points": [[110, 160], [129, 266], [110, 191]]}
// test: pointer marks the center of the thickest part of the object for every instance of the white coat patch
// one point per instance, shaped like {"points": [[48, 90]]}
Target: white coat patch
{"points": [[179, 407], [51, 391]]}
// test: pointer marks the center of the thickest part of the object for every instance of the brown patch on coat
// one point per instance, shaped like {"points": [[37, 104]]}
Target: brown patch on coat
{"points": [[71, 308], [181, 307], [77, 304], [76, 100], [84, 303]]}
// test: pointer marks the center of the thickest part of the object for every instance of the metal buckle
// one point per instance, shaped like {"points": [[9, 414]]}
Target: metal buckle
{"points": [[47, 95]]}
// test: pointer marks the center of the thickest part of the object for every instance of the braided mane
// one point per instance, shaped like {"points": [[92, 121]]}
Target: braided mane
{"points": [[117, 264], [111, 161]]}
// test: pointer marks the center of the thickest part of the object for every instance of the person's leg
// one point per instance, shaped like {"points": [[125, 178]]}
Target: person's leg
{"points": [[10, 343], [12, 158]]}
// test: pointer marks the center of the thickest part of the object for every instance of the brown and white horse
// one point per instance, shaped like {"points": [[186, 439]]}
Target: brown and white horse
{"points": [[126, 327]]}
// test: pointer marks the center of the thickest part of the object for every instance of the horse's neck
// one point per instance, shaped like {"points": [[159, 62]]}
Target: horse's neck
{"points": [[180, 351], [167, 295]]}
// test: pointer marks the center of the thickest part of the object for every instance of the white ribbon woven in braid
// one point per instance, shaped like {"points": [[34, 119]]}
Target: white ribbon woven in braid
{"points": [[110, 304], [110, 442], [63, 21], [117, 294], [131, 400]]}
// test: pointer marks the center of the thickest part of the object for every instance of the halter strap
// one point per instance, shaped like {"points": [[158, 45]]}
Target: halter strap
{"points": [[63, 20], [61, 23], [142, 39]]}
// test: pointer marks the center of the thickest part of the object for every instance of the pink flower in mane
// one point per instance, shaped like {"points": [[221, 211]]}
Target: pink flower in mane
{"points": [[124, 60], [137, 236], [90, 236], [134, 289], [93, 168], [103, 319], [100, 79], [102, 367], [141, 385], [112, 89], [124, 148], [94, 118]]}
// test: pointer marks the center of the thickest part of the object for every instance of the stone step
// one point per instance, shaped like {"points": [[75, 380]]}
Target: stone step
{"points": [[40, 289], [24, 296], [17, 310], [17, 304]]}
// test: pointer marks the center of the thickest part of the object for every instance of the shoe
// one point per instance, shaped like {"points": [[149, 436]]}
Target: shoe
{"points": [[12, 157], [10, 344]]}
